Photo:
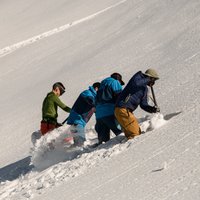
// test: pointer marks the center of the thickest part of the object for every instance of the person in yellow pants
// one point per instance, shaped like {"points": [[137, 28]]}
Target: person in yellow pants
{"points": [[134, 94]]}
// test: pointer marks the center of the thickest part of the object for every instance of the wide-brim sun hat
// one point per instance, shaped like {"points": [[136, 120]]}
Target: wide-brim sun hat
{"points": [[152, 73]]}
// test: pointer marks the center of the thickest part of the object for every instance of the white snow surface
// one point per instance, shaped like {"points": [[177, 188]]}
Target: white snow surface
{"points": [[80, 42]]}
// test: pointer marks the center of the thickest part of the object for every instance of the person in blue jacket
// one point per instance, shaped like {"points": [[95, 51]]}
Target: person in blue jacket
{"points": [[107, 95], [83, 109], [134, 94]]}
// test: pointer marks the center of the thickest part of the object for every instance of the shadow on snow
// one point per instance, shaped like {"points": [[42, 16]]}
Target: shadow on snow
{"points": [[169, 116], [15, 170], [166, 117]]}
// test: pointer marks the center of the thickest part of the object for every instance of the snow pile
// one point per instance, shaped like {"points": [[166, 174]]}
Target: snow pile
{"points": [[151, 122], [52, 148], [58, 146]]}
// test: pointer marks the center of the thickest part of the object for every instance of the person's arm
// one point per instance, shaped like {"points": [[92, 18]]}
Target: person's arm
{"points": [[60, 104], [89, 99], [116, 88], [145, 106]]}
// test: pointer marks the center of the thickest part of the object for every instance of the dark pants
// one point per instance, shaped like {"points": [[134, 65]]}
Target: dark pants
{"points": [[103, 127]]}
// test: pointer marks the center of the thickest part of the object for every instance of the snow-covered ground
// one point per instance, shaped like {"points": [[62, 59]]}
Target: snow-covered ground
{"points": [[77, 43]]}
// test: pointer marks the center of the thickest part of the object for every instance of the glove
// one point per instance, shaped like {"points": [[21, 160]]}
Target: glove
{"points": [[155, 109]]}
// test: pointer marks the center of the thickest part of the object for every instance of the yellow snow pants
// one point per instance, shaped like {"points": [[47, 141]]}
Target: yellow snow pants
{"points": [[128, 122]]}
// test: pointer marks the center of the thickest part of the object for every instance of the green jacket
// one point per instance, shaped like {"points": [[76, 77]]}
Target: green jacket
{"points": [[50, 108]]}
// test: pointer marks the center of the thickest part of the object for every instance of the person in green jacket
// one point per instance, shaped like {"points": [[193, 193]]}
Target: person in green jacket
{"points": [[50, 106]]}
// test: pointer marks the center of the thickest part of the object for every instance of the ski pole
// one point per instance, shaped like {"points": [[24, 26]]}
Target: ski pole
{"points": [[65, 120]]}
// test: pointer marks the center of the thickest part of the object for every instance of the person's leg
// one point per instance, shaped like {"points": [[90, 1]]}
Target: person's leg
{"points": [[128, 122], [112, 124], [102, 130], [79, 135]]}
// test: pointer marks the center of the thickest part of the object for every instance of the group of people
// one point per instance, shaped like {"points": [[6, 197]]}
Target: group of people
{"points": [[112, 105]]}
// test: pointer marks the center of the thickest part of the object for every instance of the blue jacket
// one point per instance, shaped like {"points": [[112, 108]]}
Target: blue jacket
{"points": [[106, 97], [135, 93], [83, 108]]}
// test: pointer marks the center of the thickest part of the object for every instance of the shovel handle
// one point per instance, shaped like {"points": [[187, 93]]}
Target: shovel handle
{"points": [[154, 98]]}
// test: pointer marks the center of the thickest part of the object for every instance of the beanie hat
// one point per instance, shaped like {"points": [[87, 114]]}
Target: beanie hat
{"points": [[60, 86]]}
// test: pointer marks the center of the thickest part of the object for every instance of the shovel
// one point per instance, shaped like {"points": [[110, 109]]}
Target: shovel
{"points": [[154, 98]]}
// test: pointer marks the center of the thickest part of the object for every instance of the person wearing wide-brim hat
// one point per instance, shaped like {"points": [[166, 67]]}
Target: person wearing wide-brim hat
{"points": [[134, 94]]}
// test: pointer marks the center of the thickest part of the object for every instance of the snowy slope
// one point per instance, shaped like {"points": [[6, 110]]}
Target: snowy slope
{"points": [[79, 42]]}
